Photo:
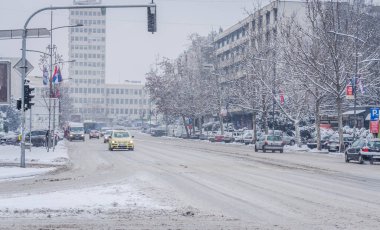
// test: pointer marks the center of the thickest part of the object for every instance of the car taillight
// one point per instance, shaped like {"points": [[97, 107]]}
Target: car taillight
{"points": [[365, 149], [283, 142], [266, 142]]}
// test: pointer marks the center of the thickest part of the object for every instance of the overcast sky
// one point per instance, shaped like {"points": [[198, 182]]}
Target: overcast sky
{"points": [[131, 50]]}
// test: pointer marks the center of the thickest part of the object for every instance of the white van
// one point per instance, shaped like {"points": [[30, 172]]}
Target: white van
{"points": [[76, 131]]}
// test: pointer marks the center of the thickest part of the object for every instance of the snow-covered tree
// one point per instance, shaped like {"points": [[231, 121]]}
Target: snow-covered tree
{"points": [[323, 50]]}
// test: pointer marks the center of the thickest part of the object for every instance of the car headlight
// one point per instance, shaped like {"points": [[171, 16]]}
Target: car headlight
{"points": [[82, 135], [71, 135], [113, 142], [130, 142]]}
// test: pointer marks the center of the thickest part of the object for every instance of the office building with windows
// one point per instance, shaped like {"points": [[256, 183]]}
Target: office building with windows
{"points": [[255, 30], [91, 97]]}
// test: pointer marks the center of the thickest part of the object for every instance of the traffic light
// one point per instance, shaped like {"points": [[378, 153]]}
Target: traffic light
{"points": [[28, 97], [18, 104], [152, 23]]}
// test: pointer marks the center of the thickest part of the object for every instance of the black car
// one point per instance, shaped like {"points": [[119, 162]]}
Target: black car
{"points": [[158, 132], [38, 137], [312, 142], [333, 143], [353, 153]]}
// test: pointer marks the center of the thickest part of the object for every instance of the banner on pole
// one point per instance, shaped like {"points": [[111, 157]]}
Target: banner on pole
{"points": [[349, 92]]}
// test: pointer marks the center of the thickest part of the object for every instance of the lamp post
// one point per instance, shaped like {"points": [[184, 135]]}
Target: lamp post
{"points": [[356, 70], [51, 89], [211, 69], [54, 107]]}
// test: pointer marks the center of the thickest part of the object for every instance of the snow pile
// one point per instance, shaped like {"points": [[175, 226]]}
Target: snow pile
{"points": [[12, 154], [38, 161], [292, 148], [103, 197]]}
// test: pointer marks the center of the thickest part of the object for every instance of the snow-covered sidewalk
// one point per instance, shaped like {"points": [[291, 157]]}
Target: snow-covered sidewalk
{"points": [[38, 161]]}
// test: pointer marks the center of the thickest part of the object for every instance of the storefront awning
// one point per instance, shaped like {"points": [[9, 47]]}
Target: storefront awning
{"points": [[352, 112]]}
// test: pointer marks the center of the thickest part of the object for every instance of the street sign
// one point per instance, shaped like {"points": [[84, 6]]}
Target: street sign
{"points": [[19, 68], [374, 126], [374, 114]]}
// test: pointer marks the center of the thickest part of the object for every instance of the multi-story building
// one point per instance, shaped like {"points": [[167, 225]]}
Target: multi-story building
{"points": [[91, 97], [260, 26], [257, 29]]}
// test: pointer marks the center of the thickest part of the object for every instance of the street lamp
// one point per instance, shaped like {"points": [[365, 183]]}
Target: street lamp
{"points": [[51, 75], [211, 69], [356, 70]]}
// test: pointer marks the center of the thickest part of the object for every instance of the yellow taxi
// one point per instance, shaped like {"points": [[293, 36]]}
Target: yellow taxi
{"points": [[120, 139]]}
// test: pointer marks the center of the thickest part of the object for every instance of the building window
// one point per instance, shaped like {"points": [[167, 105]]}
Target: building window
{"points": [[275, 14], [260, 25]]}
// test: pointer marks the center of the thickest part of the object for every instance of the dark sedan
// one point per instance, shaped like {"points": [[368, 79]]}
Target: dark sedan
{"points": [[353, 153], [38, 137], [312, 143], [333, 143]]}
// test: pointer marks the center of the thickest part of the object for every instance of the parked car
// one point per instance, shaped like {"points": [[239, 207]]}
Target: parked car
{"points": [[333, 143], [218, 137], [270, 142], [371, 151], [121, 139], [37, 137], [312, 142], [94, 134], [238, 136], [205, 135], [288, 140], [353, 152], [228, 137], [158, 132], [10, 139], [248, 137], [107, 135]]}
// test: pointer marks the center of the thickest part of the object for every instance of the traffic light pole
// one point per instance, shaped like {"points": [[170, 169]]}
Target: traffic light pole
{"points": [[30, 129], [152, 6]]}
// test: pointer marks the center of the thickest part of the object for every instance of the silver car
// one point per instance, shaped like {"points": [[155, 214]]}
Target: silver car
{"points": [[269, 142]]}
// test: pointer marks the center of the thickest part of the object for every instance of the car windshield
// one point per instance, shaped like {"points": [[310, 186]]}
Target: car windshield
{"points": [[120, 134], [274, 138], [374, 144], [76, 129], [40, 132], [276, 132]]}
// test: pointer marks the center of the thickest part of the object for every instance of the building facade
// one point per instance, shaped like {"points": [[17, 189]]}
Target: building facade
{"points": [[91, 97], [257, 29]]}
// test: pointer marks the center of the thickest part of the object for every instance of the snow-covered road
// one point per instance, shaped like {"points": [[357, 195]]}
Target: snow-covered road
{"points": [[185, 184]]}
